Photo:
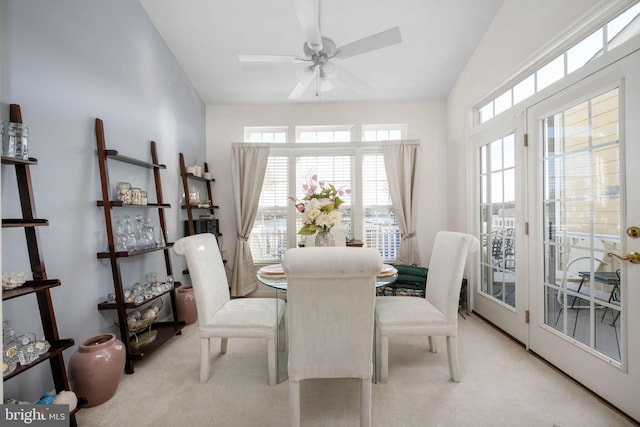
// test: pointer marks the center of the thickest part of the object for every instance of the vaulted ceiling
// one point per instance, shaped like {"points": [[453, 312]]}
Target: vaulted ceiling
{"points": [[206, 37]]}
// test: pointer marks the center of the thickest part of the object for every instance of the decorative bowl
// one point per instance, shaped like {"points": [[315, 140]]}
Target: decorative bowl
{"points": [[141, 320]]}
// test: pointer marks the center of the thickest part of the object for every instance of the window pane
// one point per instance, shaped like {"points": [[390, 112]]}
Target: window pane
{"points": [[584, 51], [369, 135], [619, 28], [550, 73], [503, 102], [335, 170], [308, 134], [486, 112], [307, 137], [497, 221], [268, 237], [395, 134], [524, 89], [380, 227], [495, 149], [266, 134], [509, 154]]}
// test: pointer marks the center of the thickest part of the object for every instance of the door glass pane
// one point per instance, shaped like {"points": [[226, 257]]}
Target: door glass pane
{"points": [[497, 219], [582, 216]]}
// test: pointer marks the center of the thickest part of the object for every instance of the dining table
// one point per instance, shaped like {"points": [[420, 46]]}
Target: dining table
{"points": [[273, 276]]}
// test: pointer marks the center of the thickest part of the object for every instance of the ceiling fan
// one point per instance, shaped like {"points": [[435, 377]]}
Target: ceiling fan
{"points": [[321, 53]]}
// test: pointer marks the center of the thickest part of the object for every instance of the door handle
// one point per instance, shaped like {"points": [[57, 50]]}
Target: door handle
{"points": [[632, 257]]}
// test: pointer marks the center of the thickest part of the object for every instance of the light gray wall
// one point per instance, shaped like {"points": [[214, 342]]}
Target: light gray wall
{"points": [[67, 62], [519, 30], [425, 119]]}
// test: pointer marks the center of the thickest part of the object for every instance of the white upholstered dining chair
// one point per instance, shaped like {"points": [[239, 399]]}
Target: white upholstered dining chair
{"points": [[434, 315], [330, 303], [218, 314]]}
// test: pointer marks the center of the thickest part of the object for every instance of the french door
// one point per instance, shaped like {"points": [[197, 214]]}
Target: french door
{"points": [[500, 166], [584, 147]]}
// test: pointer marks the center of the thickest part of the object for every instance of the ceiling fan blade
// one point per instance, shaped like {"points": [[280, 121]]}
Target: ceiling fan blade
{"points": [[376, 41], [306, 79], [269, 58], [308, 12], [350, 79]]}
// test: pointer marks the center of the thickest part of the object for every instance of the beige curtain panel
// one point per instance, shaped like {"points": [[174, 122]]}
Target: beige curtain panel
{"points": [[248, 166], [401, 164]]}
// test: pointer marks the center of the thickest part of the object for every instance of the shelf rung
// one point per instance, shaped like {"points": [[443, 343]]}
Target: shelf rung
{"points": [[113, 154], [21, 223], [57, 347], [119, 204], [16, 161], [30, 286]]}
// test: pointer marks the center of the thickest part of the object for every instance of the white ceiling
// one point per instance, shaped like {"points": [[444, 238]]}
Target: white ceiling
{"points": [[206, 36]]}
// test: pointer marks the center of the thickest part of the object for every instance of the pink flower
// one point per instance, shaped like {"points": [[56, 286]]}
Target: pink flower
{"points": [[314, 188], [340, 193], [348, 191], [314, 177], [305, 186], [300, 207]]}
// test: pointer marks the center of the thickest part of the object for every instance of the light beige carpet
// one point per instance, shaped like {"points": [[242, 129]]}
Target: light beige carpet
{"points": [[502, 385]]}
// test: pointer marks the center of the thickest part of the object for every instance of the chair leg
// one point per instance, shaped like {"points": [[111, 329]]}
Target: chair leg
{"points": [[383, 358], [433, 347], [223, 345], [452, 355], [294, 403], [271, 360], [365, 403], [205, 361]]}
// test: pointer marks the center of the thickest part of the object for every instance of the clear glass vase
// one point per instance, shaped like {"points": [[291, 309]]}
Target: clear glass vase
{"points": [[325, 239]]}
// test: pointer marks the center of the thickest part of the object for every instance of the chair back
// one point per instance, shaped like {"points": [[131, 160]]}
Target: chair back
{"points": [[206, 270], [330, 311], [446, 268]]}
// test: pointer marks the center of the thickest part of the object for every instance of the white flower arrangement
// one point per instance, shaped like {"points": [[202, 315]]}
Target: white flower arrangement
{"points": [[320, 206]]}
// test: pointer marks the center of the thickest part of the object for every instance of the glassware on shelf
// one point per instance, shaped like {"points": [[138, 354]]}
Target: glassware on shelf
{"points": [[130, 236], [121, 237], [16, 143], [168, 281], [135, 195], [42, 346], [10, 348], [123, 192], [141, 237], [194, 196], [149, 233], [27, 352], [159, 239], [2, 136]]}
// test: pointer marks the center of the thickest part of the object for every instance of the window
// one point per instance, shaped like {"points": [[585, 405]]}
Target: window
{"points": [[383, 132], [268, 134], [291, 165], [268, 238], [609, 36], [380, 227], [497, 218], [310, 134]]}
